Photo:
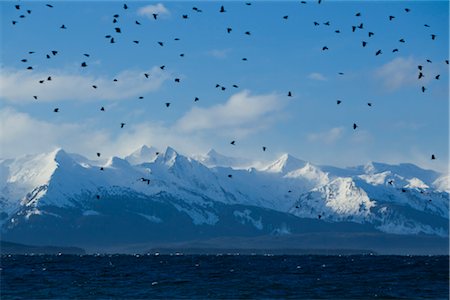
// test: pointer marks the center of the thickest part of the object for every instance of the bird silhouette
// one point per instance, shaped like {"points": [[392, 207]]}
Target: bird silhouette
{"points": [[248, 33], [316, 24], [35, 97], [161, 44], [353, 28], [141, 97], [423, 89], [369, 104], [235, 86], [56, 110], [433, 36], [125, 6], [30, 68], [391, 18], [446, 61], [378, 52], [17, 7], [355, 126], [162, 67], [230, 176], [49, 78], [433, 156], [98, 154], [285, 17], [244, 59], [324, 48], [24, 60], [429, 61], [264, 148], [167, 104], [229, 30], [437, 77], [14, 22], [94, 86], [420, 67], [420, 75], [233, 143], [155, 16], [327, 23], [338, 102], [222, 9], [289, 94], [184, 16], [84, 64], [395, 50], [361, 26], [136, 42], [137, 23], [122, 125], [407, 10], [102, 109], [49, 5], [371, 34], [196, 99], [54, 52], [177, 79], [102, 169], [63, 26], [337, 31], [146, 75], [364, 43], [118, 30]]}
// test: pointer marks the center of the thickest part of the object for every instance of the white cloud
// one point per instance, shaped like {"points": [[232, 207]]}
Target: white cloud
{"points": [[401, 72], [149, 10], [241, 114], [317, 76], [219, 53], [22, 85], [327, 137]]}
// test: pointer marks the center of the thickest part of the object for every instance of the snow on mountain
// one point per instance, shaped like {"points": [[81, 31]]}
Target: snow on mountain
{"points": [[142, 155], [215, 159], [393, 198]]}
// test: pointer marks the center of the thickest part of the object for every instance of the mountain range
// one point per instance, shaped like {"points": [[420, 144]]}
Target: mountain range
{"points": [[152, 199]]}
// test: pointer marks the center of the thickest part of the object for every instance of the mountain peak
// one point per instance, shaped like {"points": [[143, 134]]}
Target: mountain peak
{"points": [[284, 164], [142, 155]]}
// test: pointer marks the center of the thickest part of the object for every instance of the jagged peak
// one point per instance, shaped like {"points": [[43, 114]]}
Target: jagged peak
{"points": [[142, 155], [117, 162]]}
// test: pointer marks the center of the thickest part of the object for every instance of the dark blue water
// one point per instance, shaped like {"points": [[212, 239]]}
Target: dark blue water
{"points": [[228, 276]]}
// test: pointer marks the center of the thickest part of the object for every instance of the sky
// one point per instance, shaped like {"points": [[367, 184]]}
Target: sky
{"points": [[282, 55]]}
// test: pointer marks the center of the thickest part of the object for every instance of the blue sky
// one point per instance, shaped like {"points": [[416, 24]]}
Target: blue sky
{"points": [[403, 124]]}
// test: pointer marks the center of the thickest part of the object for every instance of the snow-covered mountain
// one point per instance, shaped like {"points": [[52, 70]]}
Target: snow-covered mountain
{"points": [[66, 199]]}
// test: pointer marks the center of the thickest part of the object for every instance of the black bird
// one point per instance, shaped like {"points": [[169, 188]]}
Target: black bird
{"points": [[48, 56], [433, 36], [196, 9], [437, 77], [182, 54], [420, 75], [391, 18], [446, 61], [115, 80], [21, 16], [161, 44], [378, 52], [403, 191], [316, 24], [94, 86], [327, 23], [217, 85], [264, 148], [248, 3], [56, 110], [338, 102], [176, 39], [391, 182], [30, 68], [141, 97], [51, 6], [340, 73], [401, 40], [162, 67], [364, 43], [371, 33], [30, 52], [102, 169], [137, 23], [87, 55], [117, 29], [196, 99], [355, 126], [14, 22], [122, 124], [419, 67], [54, 52], [98, 154], [114, 21], [429, 61], [223, 88], [285, 17], [17, 6], [49, 78], [107, 36], [361, 26], [407, 10], [244, 59], [235, 86], [337, 31], [303, 2], [97, 196], [136, 42], [41, 81], [28, 11], [432, 156], [233, 143], [125, 6], [222, 9], [63, 26], [116, 16], [146, 75], [247, 33], [230, 176], [35, 97], [324, 48], [229, 30], [185, 16], [102, 109], [353, 28], [289, 94], [423, 89], [369, 104], [167, 104], [358, 14], [145, 180], [177, 79], [319, 216], [426, 25], [83, 64], [395, 50], [24, 60]]}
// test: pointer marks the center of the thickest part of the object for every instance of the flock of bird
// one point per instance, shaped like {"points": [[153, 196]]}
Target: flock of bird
{"points": [[222, 9]]}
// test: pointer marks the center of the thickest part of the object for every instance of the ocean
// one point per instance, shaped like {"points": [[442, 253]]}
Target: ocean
{"points": [[223, 276]]}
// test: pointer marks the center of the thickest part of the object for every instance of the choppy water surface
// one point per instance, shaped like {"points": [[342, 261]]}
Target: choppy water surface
{"points": [[225, 276]]}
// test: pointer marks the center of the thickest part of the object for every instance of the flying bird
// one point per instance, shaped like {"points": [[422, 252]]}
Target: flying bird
{"points": [[264, 148], [167, 104], [137, 23], [161, 44], [235, 86], [433, 36], [122, 125], [222, 9], [423, 89], [185, 16], [338, 102], [56, 110], [395, 50], [407, 10], [196, 99], [391, 18], [14, 22], [433, 156], [230, 176], [136, 42], [125, 6], [420, 75], [233, 143], [146, 75], [98, 154], [364, 43], [229, 30], [369, 104], [102, 109], [94, 86], [327, 23], [324, 48], [83, 64], [355, 126], [118, 30], [378, 52], [63, 26], [155, 16], [437, 77], [17, 7], [401, 40], [162, 67], [371, 33], [358, 14], [285, 17], [177, 79], [35, 97], [49, 5], [316, 24], [248, 33], [289, 94]]}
